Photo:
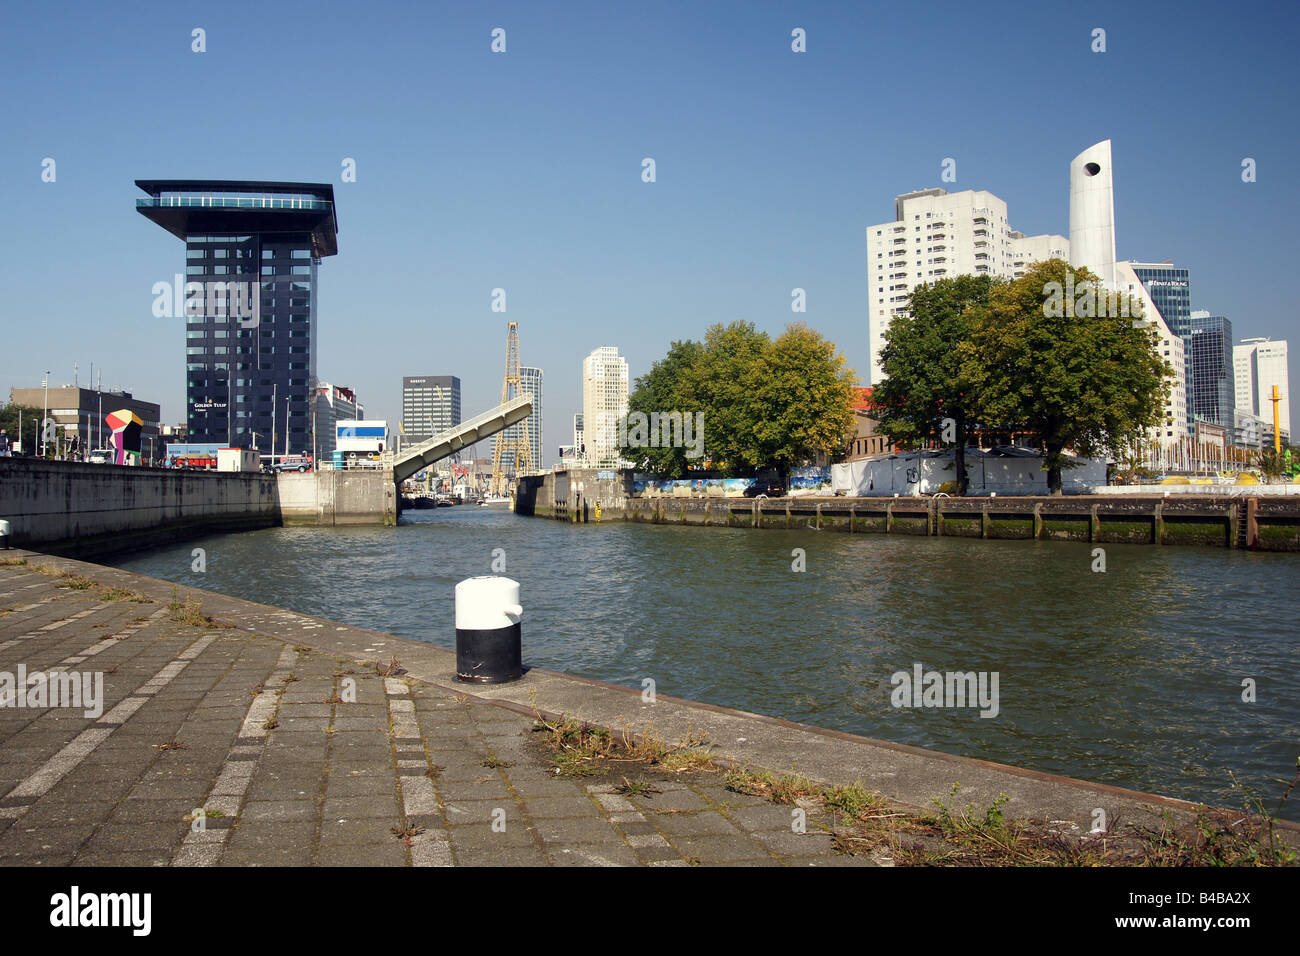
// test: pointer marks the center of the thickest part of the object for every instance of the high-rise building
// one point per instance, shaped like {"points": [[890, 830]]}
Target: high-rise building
{"points": [[1260, 364], [430, 404], [1092, 246], [334, 403], [249, 303], [1170, 289], [937, 234], [604, 403], [1210, 372], [530, 384], [579, 437]]}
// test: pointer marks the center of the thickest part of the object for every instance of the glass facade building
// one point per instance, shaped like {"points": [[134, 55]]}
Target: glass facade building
{"points": [[530, 384], [1170, 288], [1211, 379], [249, 305]]}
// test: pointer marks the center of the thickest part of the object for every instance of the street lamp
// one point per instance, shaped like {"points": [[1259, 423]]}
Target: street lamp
{"points": [[45, 405]]}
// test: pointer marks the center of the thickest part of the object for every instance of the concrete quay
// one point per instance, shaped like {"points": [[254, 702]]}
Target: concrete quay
{"points": [[246, 711], [1260, 522]]}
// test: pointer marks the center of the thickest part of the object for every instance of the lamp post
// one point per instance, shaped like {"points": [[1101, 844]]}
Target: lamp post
{"points": [[45, 405]]}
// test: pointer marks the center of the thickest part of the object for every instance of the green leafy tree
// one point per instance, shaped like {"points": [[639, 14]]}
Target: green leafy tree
{"points": [[1092, 383], [929, 369], [31, 425], [764, 403], [804, 400], [667, 387]]}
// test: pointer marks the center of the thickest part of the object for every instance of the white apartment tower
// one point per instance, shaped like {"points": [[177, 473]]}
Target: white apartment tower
{"points": [[937, 234], [1260, 364], [604, 403]]}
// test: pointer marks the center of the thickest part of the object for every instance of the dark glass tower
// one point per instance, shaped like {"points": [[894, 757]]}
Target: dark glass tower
{"points": [[252, 250], [1170, 289], [1211, 373]]}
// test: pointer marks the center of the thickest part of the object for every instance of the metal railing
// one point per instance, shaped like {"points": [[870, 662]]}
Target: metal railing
{"points": [[233, 202]]}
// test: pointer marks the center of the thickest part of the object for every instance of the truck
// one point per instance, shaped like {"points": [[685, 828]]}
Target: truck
{"points": [[356, 441]]}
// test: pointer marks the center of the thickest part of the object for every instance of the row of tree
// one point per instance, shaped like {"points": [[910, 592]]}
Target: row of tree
{"points": [[762, 402], [973, 351], [970, 352]]}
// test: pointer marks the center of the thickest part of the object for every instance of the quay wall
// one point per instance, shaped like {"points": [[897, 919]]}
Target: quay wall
{"points": [[1259, 522], [92, 511], [85, 511]]}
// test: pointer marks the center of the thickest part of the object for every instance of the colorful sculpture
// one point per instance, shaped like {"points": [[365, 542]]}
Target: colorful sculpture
{"points": [[127, 427]]}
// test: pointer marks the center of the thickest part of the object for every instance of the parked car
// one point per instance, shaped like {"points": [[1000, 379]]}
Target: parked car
{"points": [[765, 488], [100, 456], [293, 463]]}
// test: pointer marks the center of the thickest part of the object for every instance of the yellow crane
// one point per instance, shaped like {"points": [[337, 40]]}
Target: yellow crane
{"points": [[517, 448]]}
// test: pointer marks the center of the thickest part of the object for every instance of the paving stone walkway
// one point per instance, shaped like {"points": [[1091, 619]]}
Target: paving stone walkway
{"points": [[296, 757]]}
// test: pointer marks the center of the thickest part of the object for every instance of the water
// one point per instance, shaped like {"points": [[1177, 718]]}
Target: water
{"points": [[1131, 677]]}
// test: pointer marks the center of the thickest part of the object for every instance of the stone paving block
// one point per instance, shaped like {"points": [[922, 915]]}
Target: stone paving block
{"points": [[345, 830], [576, 830], [790, 843], [278, 811], [392, 853], [604, 854], [124, 837], [693, 824], [554, 808], [362, 807], [714, 847]]}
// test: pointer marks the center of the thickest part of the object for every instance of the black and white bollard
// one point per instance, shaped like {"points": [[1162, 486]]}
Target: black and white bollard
{"points": [[488, 645], [4, 535]]}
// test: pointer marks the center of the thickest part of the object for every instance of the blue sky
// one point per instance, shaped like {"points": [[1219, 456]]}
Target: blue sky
{"points": [[522, 170]]}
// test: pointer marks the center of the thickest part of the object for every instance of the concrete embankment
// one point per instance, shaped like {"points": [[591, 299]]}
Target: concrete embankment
{"points": [[909, 775], [96, 510], [1263, 523]]}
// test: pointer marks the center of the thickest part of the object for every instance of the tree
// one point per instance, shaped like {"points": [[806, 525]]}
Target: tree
{"points": [[1093, 383], [805, 399], [665, 388], [928, 368], [31, 426], [763, 403]]}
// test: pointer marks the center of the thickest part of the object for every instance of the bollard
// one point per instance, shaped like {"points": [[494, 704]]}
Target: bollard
{"points": [[488, 646], [4, 535]]}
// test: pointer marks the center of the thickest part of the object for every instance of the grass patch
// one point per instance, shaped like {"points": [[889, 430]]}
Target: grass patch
{"points": [[78, 583], [579, 749], [124, 594], [13, 562], [190, 613]]}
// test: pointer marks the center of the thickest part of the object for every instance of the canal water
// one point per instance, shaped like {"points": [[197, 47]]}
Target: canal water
{"points": [[1132, 676]]}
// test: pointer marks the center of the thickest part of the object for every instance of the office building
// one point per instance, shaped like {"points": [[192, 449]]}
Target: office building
{"points": [[1259, 364], [334, 403], [1210, 371], [936, 234], [579, 438], [430, 404], [604, 404], [248, 303], [1170, 289], [80, 412]]}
